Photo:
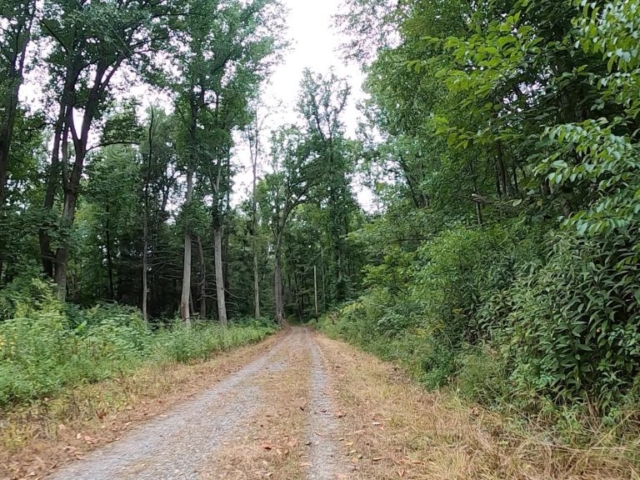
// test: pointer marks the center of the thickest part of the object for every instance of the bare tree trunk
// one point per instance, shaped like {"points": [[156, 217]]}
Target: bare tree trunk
{"points": [[62, 254], [186, 273], [66, 221], [504, 177], [220, 294], [256, 283], [46, 252], [203, 281], [145, 224], [254, 146], [71, 180], [256, 275], [315, 288], [277, 284], [145, 269]]}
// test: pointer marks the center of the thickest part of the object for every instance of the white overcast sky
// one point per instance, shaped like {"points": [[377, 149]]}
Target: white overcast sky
{"points": [[315, 44]]}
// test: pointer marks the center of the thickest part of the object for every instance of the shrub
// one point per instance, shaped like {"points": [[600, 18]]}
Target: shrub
{"points": [[48, 347], [574, 324]]}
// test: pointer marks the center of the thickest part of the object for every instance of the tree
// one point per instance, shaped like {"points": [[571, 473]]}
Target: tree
{"points": [[16, 25], [91, 43], [253, 134], [219, 64], [294, 172], [321, 103]]}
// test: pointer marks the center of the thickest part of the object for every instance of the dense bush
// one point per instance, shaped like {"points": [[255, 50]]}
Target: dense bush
{"points": [[45, 347], [573, 326], [510, 317], [434, 314]]}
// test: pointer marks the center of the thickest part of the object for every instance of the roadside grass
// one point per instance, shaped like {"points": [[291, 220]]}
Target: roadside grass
{"points": [[395, 429], [48, 349], [68, 386]]}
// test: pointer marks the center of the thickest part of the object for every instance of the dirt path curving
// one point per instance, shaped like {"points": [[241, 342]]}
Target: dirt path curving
{"points": [[272, 419]]}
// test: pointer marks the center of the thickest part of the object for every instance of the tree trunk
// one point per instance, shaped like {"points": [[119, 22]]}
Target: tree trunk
{"points": [[503, 174], [145, 269], [46, 252], [203, 281], [109, 258], [256, 278], [71, 180], [186, 273], [14, 81], [70, 187], [62, 254], [220, 294], [277, 284], [256, 283], [315, 288], [145, 224]]}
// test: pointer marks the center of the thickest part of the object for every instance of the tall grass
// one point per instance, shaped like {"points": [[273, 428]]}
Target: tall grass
{"points": [[45, 347]]}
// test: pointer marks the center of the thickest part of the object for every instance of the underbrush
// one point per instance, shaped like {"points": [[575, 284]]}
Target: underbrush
{"points": [[540, 325], [46, 346]]}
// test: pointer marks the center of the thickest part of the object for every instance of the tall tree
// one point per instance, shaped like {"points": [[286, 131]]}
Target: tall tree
{"points": [[91, 43], [253, 134], [219, 65], [16, 24], [322, 104], [294, 173]]}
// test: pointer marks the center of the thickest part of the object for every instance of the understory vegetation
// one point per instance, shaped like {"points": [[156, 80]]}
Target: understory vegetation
{"points": [[504, 263], [47, 347]]}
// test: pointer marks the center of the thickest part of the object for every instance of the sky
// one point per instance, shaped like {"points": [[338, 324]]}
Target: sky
{"points": [[314, 44]]}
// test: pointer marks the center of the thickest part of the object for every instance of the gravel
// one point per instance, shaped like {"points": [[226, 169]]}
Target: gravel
{"points": [[179, 445], [325, 463], [174, 446]]}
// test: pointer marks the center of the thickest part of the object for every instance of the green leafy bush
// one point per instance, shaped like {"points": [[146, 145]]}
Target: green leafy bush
{"points": [[47, 347], [573, 326], [510, 317]]}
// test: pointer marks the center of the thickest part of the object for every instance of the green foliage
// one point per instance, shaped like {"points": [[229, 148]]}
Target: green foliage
{"points": [[44, 348], [572, 325], [503, 144], [202, 341], [425, 308]]}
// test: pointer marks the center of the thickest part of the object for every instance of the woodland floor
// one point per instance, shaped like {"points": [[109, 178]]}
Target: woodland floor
{"points": [[298, 406]]}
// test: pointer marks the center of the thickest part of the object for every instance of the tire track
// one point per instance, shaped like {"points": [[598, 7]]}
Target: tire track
{"points": [[175, 446], [324, 457]]}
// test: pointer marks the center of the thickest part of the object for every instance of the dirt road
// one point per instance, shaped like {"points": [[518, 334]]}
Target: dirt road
{"points": [[191, 441], [302, 406]]}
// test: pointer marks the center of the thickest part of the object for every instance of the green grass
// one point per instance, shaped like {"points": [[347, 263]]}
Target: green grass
{"points": [[47, 348]]}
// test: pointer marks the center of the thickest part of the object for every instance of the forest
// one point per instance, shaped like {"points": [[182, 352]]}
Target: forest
{"points": [[498, 141]]}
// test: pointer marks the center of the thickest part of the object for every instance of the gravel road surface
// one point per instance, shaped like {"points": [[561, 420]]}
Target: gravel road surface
{"points": [[181, 443]]}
